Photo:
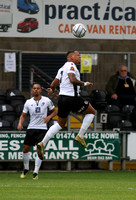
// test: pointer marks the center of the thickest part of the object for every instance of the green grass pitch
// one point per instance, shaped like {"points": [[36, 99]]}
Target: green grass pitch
{"points": [[92, 185]]}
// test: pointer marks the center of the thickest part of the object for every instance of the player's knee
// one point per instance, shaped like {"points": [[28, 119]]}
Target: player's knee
{"points": [[90, 110], [62, 125], [93, 112], [62, 122], [25, 149]]}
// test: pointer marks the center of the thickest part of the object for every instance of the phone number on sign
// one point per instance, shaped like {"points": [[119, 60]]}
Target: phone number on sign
{"points": [[73, 135]]}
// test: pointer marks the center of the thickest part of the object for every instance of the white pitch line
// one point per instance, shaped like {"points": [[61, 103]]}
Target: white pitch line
{"points": [[47, 186], [21, 186]]}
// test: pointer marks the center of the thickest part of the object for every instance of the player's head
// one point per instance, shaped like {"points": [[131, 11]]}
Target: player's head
{"points": [[36, 89], [73, 56], [69, 52]]}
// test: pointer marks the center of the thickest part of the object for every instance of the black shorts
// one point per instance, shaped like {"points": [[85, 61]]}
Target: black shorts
{"points": [[34, 136], [66, 104]]}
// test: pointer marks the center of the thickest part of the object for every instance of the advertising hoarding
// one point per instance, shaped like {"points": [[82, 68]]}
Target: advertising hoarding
{"points": [[104, 19], [100, 146]]}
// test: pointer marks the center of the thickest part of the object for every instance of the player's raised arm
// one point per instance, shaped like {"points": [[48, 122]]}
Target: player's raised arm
{"points": [[75, 81]]}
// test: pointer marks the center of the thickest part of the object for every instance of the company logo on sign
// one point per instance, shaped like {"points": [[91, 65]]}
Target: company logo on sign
{"points": [[102, 146], [87, 12], [100, 150]]}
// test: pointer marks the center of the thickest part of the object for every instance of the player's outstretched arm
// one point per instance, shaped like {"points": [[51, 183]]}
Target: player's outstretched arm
{"points": [[75, 81]]}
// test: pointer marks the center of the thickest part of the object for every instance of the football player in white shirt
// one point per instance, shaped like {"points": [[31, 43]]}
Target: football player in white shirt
{"points": [[68, 78], [37, 107]]}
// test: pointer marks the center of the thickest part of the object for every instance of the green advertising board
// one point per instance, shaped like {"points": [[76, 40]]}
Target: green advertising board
{"points": [[101, 146]]}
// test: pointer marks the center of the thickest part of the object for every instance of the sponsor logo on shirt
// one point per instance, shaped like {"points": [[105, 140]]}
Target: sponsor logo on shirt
{"points": [[72, 68]]}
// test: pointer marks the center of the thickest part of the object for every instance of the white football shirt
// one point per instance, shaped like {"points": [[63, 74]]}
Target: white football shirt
{"points": [[66, 87], [38, 110]]}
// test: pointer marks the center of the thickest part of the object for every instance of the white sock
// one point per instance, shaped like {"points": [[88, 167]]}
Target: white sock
{"points": [[26, 160], [86, 123], [51, 132], [38, 163]]}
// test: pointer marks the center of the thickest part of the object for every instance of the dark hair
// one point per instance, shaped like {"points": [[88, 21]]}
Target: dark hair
{"points": [[69, 53], [36, 84]]}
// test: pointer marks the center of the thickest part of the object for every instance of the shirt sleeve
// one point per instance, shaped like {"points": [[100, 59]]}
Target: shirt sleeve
{"points": [[58, 76], [71, 67], [50, 105], [25, 109]]}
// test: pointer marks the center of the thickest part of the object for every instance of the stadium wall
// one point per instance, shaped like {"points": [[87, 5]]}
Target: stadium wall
{"points": [[63, 45]]}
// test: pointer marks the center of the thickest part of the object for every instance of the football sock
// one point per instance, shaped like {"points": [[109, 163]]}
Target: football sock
{"points": [[86, 123], [38, 162], [26, 160], [51, 132]]}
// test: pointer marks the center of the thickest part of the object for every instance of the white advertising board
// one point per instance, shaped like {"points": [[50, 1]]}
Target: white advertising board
{"points": [[104, 19]]}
